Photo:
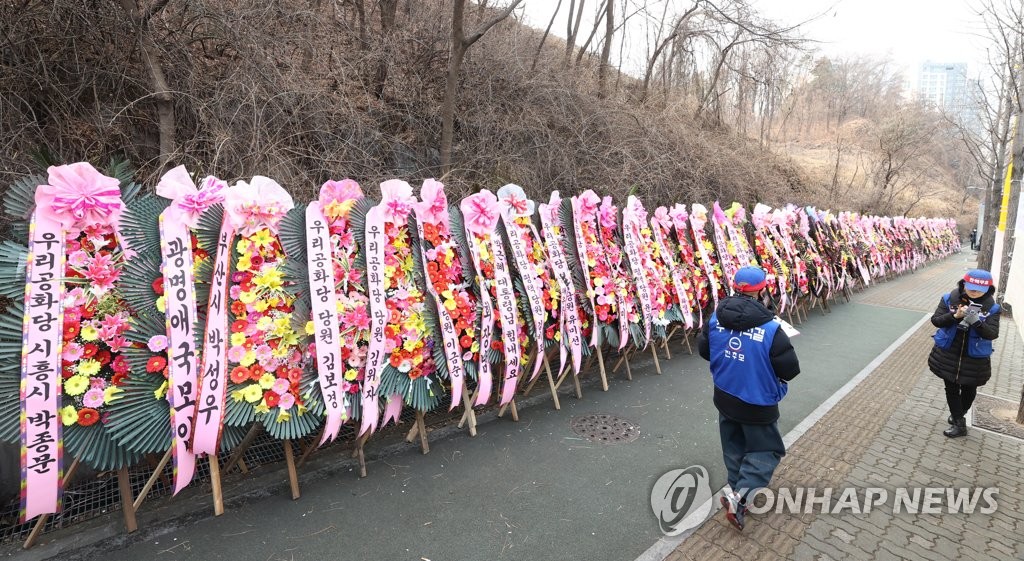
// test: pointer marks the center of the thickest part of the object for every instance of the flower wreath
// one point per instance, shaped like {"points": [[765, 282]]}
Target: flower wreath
{"points": [[705, 255], [678, 281], [61, 361], [631, 318], [695, 278], [647, 264], [768, 255], [573, 324], [503, 330], [595, 279]]}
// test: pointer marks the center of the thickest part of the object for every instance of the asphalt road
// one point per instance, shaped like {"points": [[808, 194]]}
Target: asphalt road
{"points": [[533, 489]]}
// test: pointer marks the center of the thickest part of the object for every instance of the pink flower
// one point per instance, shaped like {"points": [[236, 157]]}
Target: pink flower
{"points": [[157, 343], [286, 402], [97, 383], [78, 259], [72, 352], [264, 353], [93, 398], [480, 211], [117, 343], [234, 292], [236, 353], [257, 205], [280, 386]]}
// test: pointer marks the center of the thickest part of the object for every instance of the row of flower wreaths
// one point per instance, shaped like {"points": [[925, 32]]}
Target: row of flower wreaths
{"points": [[146, 321]]}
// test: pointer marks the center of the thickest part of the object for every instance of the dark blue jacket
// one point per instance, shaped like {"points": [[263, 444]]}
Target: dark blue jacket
{"points": [[962, 356], [751, 360]]}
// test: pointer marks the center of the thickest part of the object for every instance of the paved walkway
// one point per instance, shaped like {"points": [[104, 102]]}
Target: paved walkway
{"points": [[886, 433]]}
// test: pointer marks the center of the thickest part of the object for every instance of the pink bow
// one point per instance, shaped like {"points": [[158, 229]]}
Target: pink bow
{"points": [[762, 215], [78, 196], [679, 216], [397, 200], [339, 192], [434, 208], [607, 214], [737, 213], [514, 196], [481, 212], [635, 206], [554, 203], [719, 215], [586, 205], [257, 205], [189, 203], [660, 218], [699, 216]]}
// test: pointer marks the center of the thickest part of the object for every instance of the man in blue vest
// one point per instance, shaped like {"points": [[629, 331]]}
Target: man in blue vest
{"points": [[752, 360]]}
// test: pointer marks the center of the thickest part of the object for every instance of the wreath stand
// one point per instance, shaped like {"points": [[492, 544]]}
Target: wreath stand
{"points": [[129, 505], [468, 414], [236, 458], [419, 427], [552, 384]]}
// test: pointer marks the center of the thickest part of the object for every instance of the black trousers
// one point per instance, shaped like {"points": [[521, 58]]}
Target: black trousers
{"points": [[959, 398]]}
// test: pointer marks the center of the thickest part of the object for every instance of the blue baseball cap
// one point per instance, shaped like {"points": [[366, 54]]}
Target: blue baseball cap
{"points": [[978, 279], [750, 279]]}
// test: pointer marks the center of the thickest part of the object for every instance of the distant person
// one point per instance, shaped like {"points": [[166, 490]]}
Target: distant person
{"points": [[974, 239], [968, 321], [752, 360]]}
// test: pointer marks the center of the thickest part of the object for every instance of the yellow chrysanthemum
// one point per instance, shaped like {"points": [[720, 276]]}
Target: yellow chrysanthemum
{"points": [[284, 417], [90, 333], [244, 263], [267, 381], [68, 415], [237, 339], [310, 328], [76, 385], [238, 395], [89, 367], [262, 408], [261, 305], [247, 297], [262, 238], [249, 359], [271, 279], [253, 393], [351, 375], [280, 352], [264, 323], [161, 304]]}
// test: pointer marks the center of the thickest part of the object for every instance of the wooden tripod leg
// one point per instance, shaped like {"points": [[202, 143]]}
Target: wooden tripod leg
{"points": [[629, 371], [218, 489], [551, 384], [236, 456], [576, 383], [600, 363], [424, 445], [293, 474], [158, 472], [515, 412], [313, 445], [668, 352], [686, 339], [37, 529], [623, 358], [657, 364], [360, 442], [124, 486], [468, 414]]}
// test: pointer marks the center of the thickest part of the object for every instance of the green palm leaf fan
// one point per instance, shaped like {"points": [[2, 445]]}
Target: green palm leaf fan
{"points": [[426, 392]]}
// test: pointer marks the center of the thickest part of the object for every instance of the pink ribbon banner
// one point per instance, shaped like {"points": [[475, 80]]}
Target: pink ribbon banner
{"points": [[450, 339], [531, 284], [581, 247], [375, 240], [569, 320], [697, 226], [484, 376], [509, 319], [213, 381], [631, 233], [41, 445], [685, 306], [179, 289], [320, 261]]}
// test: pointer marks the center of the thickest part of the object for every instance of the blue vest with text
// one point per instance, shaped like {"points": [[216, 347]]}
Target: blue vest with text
{"points": [[977, 347], [741, 362]]}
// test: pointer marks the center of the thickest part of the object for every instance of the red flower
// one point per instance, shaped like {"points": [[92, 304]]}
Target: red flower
{"points": [[158, 286], [71, 331], [496, 345], [118, 378], [238, 326], [239, 374], [271, 398], [237, 308], [103, 357], [68, 370], [466, 341], [90, 350], [156, 364], [256, 372], [88, 417], [294, 375]]}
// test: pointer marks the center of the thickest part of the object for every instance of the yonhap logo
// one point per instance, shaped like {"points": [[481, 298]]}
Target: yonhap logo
{"points": [[681, 499]]}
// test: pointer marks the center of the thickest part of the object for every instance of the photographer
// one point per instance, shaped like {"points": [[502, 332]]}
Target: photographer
{"points": [[967, 320]]}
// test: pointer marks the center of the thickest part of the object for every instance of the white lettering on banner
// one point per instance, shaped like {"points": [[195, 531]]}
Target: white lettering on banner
{"points": [[509, 319], [531, 284], [581, 247], [631, 231], [375, 240], [569, 321], [41, 465], [324, 298], [450, 339], [180, 318], [213, 377]]}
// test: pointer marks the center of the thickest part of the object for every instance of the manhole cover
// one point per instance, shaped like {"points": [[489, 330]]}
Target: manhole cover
{"points": [[605, 429]]}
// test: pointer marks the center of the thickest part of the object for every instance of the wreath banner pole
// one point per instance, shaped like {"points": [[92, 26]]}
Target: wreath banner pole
{"points": [[37, 529]]}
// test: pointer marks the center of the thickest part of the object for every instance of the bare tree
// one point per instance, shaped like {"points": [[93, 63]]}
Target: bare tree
{"points": [[547, 30], [460, 44], [606, 50]]}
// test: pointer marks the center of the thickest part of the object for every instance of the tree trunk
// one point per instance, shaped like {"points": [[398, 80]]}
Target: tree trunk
{"points": [[544, 37], [161, 91], [388, 11], [606, 51]]}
